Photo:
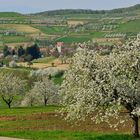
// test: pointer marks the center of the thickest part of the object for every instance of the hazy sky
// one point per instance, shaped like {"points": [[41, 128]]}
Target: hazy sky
{"points": [[30, 6]]}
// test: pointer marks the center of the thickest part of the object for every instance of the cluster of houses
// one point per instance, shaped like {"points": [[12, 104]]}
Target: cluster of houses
{"points": [[59, 49], [51, 49]]}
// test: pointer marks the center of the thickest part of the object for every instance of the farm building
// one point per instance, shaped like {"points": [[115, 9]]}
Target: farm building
{"points": [[59, 46]]}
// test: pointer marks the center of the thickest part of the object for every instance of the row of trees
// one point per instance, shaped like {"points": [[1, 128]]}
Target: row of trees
{"points": [[27, 92], [93, 26], [28, 53], [44, 91], [116, 35]]}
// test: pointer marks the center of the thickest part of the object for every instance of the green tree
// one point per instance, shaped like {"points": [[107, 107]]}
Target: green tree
{"points": [[34, 51], [6, 51], [21, 51]]}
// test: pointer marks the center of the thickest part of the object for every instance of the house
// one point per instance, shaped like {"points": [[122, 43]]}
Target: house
{"points": [[59, 46]]}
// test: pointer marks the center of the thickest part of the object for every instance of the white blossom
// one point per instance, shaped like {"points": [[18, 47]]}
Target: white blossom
{"points": [[45, 89], [103, 84], [10, 87]]}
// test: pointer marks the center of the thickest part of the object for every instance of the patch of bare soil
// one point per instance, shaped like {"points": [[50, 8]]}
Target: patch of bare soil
{"points": [[54, 121]]}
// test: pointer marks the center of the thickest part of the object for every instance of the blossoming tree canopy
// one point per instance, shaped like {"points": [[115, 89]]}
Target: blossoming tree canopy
{"points": [[105, 84], [10, 87], [44, 88]]}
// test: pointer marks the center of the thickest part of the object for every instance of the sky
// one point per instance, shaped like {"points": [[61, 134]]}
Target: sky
{"points": [[33, 6]]}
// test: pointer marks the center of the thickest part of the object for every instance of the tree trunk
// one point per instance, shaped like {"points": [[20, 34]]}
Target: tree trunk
{"points": [[8, 102], [45, 101], [135, 129], [9, 105]]}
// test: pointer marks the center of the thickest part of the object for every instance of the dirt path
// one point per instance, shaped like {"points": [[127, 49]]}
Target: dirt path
{"points": [[5, 138]]}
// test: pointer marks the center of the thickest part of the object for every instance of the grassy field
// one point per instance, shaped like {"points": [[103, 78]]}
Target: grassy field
{"points": [[28, 31], [97, 34], [52, 30], [13, 15], [62, 135], [71, 39], [44, 123], [19, 28], [60, 32], [44, 60], [17, 39], [45, 63], [131, 26]]}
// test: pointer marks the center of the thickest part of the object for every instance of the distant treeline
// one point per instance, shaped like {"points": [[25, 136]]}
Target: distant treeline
{"points": [[82, 11]]}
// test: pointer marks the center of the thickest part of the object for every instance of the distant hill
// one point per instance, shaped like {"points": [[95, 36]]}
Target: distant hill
{"points": [[10, 14], [83, 11], [127, 9], [132, 9]]}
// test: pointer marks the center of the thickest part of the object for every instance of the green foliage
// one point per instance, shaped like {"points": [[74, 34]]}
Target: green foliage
{"points": [[33, 51], [6, 51], [58, 80], [20, 51], [59, 74], [58, 77]]}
